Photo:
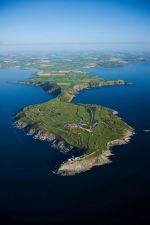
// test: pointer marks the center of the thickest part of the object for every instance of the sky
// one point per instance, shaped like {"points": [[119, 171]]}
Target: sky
{"points": [[69, 21]]}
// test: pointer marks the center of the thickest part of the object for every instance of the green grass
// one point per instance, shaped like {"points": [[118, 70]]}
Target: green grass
{"points": [[73, 123], [53, 116]]}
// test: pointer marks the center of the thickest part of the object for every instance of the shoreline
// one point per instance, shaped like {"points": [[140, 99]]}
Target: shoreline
{"points": [[78, 88], [56, 90], [50, 138], [81, 164]]}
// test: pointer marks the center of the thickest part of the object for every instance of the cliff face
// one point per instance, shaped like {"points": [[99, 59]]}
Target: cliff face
{"points": [[55, 141], [82, 164], [55, 89], [57, 114], [67, 97], [77, 88]]}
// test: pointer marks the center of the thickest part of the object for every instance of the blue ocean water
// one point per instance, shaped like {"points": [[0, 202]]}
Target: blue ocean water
{"points": [[117, 193]]}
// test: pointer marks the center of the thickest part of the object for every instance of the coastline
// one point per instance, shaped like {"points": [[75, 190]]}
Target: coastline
{"points": [[78, 88], [38, 134], [56, 90], [78, 164], [83, 164]]}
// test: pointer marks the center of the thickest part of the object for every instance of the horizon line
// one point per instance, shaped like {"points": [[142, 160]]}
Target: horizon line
{"points": [[49, 43]]}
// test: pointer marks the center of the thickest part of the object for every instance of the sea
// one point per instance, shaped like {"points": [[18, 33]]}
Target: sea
{"points": [[113, 194]]}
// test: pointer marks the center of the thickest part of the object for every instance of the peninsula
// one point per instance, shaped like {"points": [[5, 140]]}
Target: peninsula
{"points": [[68, 126]]}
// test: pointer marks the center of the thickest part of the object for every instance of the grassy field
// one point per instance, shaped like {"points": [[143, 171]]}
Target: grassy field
{"points": [[88, 127], [69, 82]]}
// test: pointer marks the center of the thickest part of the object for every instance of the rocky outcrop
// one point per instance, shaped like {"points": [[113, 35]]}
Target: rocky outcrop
{"points": [[55, 89], [77, 164], [20, 124], [51, 88], [126, 139], [55, 141], [82, 164], [78, 88]]}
